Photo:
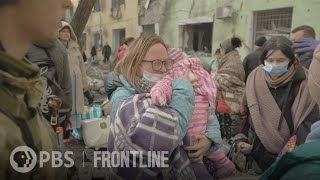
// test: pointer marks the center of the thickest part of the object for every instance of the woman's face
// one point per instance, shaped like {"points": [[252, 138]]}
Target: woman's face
{"points": [[156, 52], [276, 58], [64, 34]]}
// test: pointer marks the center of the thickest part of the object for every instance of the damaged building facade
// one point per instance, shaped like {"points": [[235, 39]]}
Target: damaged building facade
{"points": [[111, 21], [201, 26], [198, 26]]}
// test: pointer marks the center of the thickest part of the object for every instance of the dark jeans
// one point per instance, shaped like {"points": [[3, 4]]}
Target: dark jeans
{"points": [[106, 59]]}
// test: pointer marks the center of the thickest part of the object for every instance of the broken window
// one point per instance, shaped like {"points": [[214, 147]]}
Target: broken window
{"points": [[114, 3], [274, 22], [198, 38], [148, 30], [97, 7], [116, 8], [97, 40]]}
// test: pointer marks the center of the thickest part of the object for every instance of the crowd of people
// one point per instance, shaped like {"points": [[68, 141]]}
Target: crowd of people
{"points": [[266, 106], [262, 105]]}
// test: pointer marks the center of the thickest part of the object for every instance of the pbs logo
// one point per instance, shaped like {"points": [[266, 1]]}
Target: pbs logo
{"points": [[23, 159]]}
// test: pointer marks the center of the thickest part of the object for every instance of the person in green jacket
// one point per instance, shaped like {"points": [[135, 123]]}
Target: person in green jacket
{"points": [[24, 22]]}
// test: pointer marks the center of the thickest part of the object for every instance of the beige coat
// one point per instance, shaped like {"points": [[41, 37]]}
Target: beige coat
{"points": [[77, 72], [314, 74]]}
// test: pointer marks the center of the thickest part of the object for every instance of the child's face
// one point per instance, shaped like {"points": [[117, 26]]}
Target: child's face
{"points": [[40, 19]]}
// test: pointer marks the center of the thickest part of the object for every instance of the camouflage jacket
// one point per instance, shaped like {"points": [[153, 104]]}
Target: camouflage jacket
{"points": [[21, 122]]}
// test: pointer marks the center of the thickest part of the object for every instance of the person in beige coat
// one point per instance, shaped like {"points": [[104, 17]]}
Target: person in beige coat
{"points": [[314, 76], [77, 72]]}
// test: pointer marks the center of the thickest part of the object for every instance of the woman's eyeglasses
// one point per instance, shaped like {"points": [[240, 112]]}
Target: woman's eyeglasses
{"points": [[157, 64]]}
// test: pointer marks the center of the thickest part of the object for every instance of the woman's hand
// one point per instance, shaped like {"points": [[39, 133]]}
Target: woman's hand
{"points": [[244, 148], [201, 147]]}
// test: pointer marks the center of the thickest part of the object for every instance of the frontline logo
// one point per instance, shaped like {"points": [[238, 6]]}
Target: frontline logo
{"points": [[23, 159], [139, 159]]}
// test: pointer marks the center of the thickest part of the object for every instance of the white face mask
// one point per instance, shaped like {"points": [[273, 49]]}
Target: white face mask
{"points": [[151, 77], [148, 80]]}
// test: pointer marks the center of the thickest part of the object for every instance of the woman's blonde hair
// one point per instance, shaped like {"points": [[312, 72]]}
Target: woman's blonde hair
{"points": [[130, 64]]}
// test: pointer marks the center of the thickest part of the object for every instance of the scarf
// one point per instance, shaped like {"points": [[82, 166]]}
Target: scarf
{"points": [[274, 83], [261, 103], [145, 85]]}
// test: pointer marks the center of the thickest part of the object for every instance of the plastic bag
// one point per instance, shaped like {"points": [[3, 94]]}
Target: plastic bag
{"points": [[96, 132]]}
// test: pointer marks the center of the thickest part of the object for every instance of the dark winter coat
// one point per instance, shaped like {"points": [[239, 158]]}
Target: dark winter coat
{"points": [[251, 61], [106, 51], [93, 51]]}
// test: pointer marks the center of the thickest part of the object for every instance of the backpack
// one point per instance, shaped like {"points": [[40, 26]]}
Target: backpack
{"points": [[42, 58]]}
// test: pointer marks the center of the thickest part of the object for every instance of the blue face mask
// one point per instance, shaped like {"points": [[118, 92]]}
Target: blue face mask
{"points": [[277, 70]]}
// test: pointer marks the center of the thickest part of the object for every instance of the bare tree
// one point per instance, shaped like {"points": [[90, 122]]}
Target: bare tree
{"points": [[81, 16]]}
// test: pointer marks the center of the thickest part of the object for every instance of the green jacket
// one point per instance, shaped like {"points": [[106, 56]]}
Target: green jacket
{"points": [[21, 88], [302, 163]]}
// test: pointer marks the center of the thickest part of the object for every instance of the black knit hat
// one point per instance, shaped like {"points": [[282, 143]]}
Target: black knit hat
{"points": [[260, 41]]}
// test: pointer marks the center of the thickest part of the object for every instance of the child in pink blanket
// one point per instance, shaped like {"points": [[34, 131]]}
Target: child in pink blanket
{"points": [[205, 96]]}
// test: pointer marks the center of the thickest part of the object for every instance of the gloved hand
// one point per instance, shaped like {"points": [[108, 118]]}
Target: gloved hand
{"points": [[89, 96], [305, 45]]}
